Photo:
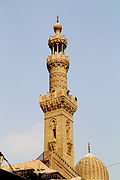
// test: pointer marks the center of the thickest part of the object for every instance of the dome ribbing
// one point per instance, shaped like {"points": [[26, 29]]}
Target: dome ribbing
{"points": [[92, 168]]}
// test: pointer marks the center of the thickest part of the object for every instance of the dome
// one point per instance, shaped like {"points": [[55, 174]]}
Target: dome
{"points": [[92, 168], [57, 28]]}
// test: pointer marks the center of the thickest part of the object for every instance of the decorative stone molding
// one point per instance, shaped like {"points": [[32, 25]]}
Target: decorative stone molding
{"points": [[69, 148], [68, 132], [57, 60], [53, 123], [58, 80], [52, 145], [57, 39], [57, 103], [65, 166]]}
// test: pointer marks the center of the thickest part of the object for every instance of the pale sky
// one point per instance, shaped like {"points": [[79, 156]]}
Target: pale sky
{"points": [[93, 31]]}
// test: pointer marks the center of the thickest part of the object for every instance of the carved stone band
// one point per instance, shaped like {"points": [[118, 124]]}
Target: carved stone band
{"points": [[57, 39], [57, 60], [57, 103]]}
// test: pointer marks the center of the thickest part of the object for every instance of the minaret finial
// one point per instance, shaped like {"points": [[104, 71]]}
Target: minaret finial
{"points": [[88, 147], [57, 27], [57, 19]]}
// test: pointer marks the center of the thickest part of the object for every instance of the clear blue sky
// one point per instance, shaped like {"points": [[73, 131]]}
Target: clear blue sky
{"points": [[93, 30]]}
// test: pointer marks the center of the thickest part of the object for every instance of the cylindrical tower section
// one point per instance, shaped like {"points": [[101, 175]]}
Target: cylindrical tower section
{"points": [[57, 65]]}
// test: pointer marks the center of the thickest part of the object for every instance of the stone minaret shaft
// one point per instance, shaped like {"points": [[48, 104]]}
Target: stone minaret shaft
{"points": [[58, 63], [58, 105]]}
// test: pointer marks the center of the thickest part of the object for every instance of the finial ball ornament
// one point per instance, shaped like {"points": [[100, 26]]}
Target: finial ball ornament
{"points": [[57, 28]]}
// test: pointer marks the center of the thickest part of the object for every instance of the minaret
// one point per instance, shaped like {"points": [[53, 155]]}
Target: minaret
{"points": [[58, 105]]}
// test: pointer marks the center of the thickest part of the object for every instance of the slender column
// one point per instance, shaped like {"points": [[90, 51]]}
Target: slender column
{"points": [[62, 48], [57, 48], [53, 50]]}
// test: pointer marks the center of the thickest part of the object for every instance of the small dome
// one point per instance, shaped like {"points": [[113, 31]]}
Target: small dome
{"points": [[92, 168], [57, 28]]}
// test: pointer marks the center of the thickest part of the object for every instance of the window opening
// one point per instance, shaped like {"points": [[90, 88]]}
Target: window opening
{"points": [[54, 133]]}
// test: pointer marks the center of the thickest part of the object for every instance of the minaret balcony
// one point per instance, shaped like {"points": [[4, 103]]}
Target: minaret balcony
{"points": [[58, 99], [57, 39]]}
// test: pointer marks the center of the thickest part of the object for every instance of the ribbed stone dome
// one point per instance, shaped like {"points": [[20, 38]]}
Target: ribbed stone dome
{"points": [[92, 168]]}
